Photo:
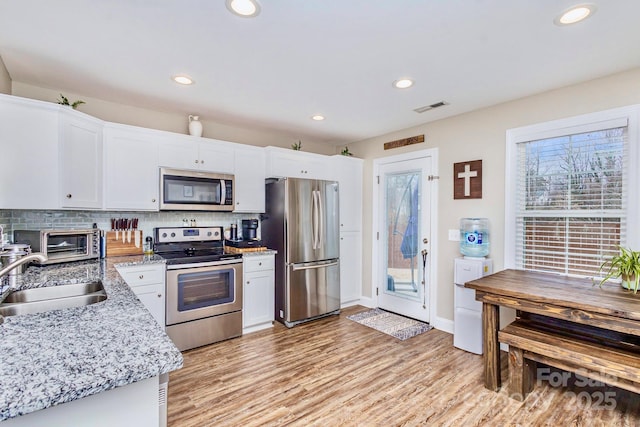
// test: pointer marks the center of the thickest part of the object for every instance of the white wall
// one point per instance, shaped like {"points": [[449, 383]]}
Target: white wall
{"points": [[481, 135], [163, 120], [5, 79]]}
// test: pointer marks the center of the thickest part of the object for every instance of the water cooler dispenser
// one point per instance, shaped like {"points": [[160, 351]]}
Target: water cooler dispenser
{"points": [[474, 246]]}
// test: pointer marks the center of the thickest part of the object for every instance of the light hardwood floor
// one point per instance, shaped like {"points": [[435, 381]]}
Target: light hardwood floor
{"points": [[335, 372]]}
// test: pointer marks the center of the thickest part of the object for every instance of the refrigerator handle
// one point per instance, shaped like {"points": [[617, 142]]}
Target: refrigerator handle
{"points": [[321, 219], [316, 243], [309, 267]]}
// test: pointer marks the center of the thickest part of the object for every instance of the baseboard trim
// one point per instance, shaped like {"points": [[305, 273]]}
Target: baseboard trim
{"points": [[443, 324], [368, 302]]}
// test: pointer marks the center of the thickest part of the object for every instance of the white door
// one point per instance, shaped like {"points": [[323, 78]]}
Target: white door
{"points": [[404, 211]]}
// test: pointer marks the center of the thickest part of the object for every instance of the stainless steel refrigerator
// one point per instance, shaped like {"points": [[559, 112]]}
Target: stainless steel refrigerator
{"points": [[301, 222]]}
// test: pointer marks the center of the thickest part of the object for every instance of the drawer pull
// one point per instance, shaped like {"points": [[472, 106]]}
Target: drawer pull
{"points": [[159, 295], [141, 276]]}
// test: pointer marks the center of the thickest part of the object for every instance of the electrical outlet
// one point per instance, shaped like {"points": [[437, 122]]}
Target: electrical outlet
{"points": [[454, 235]]}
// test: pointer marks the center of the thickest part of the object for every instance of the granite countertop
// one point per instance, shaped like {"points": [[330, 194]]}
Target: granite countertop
{"points": [[259, 253], [55, 357]]}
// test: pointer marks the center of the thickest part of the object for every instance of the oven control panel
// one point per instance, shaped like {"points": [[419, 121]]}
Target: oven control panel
{"points": [[188, 234]]}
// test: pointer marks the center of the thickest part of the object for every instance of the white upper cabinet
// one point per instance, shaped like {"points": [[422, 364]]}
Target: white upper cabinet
{"points": [[284, 162], [348, 173], [217, 156], [132, 179], [189, 152], [249, 179], [80, 151], [29, 147]]}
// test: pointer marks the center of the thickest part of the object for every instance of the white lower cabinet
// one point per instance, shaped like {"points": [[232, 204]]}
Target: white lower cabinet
{"points": [[135, 404], [258, 302], [148, 283], [350, 267]]}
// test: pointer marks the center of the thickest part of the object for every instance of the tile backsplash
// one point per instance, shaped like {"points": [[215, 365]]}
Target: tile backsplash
{"points": [[43, 219]]}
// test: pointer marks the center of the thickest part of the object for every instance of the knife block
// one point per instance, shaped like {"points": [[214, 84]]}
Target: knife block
{"points": [[116, 247]]}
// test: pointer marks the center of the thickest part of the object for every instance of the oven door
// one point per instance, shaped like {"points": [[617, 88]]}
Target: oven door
{"points": [[198, 292]]}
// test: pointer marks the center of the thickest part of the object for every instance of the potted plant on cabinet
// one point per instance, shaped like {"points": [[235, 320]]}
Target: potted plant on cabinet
{"points": [[625, 265], [65, 101]]}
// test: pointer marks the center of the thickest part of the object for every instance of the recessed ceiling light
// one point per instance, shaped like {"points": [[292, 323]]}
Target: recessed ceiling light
{"points": [[244, 8], [575, 14], [183, 80], [403, 83], [317, 117]]}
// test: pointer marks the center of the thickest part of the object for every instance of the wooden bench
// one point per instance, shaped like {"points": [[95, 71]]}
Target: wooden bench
{"points": [[603, 355]]}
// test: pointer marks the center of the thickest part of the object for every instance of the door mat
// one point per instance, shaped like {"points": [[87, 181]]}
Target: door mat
{"points": [[391, 324]]}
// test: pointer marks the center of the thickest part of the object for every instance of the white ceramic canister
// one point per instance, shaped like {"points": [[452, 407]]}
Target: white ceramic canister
{"points": [[195, 126]]}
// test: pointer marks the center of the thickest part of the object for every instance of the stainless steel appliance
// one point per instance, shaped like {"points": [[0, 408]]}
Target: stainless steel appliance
{"points": [[195, 191], [204, 286], [302, 223], [62, 245]]}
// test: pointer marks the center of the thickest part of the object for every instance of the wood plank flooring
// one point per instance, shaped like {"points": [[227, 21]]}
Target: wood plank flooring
{"points": [[335, 372]]}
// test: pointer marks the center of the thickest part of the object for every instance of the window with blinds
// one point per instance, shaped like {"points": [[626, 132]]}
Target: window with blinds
{"points": [[571, 200]]}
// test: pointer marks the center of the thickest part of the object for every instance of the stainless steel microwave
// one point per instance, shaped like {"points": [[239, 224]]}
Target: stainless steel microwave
{"points": [[62, 245], [186, 190]]}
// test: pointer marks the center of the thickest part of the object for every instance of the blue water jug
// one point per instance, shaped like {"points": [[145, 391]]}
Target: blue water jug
{"points": [[474, 237]]}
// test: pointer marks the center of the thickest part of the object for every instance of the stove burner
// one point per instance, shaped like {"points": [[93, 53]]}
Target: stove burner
{"points": [[177, 251]]}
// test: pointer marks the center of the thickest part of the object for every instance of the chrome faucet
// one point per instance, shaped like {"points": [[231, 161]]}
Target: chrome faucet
{"points": [[13, 277], [17, 263]]}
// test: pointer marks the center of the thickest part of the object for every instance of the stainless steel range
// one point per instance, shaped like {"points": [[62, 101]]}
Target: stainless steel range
{"points": [[204, 286]]}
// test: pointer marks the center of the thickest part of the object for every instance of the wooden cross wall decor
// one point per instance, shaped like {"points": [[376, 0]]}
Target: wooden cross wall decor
{"points": [[467, 180]]}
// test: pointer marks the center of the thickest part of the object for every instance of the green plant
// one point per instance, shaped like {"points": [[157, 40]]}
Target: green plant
{"points": [[346, 152], [626, 265], [297, 146], [65, 101]]}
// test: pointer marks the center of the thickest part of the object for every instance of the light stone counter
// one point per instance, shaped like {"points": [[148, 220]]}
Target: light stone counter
{"points": [[59, 356]]}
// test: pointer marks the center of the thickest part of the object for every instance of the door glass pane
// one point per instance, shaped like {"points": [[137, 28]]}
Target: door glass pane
{"points": [[205, 289], [402, 209]]}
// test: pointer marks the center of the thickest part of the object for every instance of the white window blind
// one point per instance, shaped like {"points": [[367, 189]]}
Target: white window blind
{"points": [[570, 207]]}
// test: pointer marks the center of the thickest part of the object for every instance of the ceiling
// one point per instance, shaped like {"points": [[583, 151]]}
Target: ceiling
{"points": [[298, 58]]}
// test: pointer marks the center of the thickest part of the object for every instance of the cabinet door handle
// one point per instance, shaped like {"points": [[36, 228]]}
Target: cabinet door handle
{"points": [[197, 161], [248, 282], [141, 276], [259, 263], [69, 196], [159, 295], [153, 200], [202, 161]]}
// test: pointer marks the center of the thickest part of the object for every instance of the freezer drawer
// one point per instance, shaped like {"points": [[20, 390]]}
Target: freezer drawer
{"points": [[313, 290]]}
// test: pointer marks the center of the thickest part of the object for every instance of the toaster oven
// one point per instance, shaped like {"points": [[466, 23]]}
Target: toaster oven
{"points": [[62, 245]]}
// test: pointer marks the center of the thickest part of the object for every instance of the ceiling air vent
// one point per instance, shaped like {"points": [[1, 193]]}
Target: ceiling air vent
{"points": [[431, 107]]}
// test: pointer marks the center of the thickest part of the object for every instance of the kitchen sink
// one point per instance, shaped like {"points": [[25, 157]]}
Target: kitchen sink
{"points": [[38, 300]]}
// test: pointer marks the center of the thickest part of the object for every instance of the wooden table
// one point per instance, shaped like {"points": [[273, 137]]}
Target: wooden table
{"points": [[572, 299]]}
